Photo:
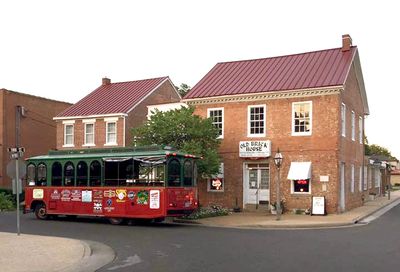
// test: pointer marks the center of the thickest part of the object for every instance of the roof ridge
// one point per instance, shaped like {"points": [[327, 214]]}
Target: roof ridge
{"points": [[163, 77], [282, 56]]}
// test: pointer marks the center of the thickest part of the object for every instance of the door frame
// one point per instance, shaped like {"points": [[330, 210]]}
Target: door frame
{"points": [[245, 180]]}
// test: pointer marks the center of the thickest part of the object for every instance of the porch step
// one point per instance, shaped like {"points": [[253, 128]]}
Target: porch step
{"points": [[262, 208]]}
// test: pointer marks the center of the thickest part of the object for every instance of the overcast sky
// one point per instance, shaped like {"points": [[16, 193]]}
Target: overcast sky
{"points": [[62, 49]]}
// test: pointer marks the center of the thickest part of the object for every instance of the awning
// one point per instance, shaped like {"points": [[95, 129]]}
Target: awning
{"points": [[300, 170]]}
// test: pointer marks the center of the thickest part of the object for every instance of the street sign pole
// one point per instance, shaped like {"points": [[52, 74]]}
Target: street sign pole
{"points": [[17, 187]]}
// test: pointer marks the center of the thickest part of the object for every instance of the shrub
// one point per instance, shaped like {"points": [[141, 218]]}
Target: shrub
{"points": [[204, 212], [6, 202]]}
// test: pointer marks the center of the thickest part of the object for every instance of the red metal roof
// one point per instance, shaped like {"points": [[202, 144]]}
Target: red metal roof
{"points": [[300, 71], [112, 98]]}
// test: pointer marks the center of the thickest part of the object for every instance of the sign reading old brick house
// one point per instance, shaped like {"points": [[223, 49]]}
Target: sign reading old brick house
{"points": [[255, 149]]}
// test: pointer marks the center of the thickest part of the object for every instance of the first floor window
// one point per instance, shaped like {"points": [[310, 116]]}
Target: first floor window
{"points": [[360, 180], [111, 137], [352, 179], [216, 182], [301, 186]]}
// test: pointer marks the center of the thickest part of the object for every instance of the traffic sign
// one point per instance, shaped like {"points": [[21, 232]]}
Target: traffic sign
{"points": [[11, 169]]}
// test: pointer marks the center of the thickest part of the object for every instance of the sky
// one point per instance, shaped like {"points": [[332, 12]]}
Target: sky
{"points": [[62, 49]]}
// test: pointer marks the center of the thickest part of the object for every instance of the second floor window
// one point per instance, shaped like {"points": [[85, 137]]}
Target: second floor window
{"points": [[111, 133], [302, 117], [256, 121], [217, 117], [360, 129], [89, 134], [69, 134]]}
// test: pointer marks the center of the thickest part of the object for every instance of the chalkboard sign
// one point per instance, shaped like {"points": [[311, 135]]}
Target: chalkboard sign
{"points": [[318, 205]]}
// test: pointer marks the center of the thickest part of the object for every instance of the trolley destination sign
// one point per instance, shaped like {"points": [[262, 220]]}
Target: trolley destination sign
{"points": [[255, 149]]}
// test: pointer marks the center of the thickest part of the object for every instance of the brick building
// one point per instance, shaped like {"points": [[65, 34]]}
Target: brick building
{"points": [[311, 106], [37, 129], [104, 117]]}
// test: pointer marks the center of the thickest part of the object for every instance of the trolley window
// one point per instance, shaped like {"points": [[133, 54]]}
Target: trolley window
{"points": [[42, 174], [56, 174], [174, 173], [95, 174], [69, 174], [82, 174], [31, 174], [187, 173]]}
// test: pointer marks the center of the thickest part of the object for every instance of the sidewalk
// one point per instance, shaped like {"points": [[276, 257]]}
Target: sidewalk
{"points": [[288, 220], [36, 253]]}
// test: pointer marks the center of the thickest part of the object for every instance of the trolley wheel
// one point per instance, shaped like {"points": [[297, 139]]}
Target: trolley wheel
{"points": [[41, 211], [115, 220]]}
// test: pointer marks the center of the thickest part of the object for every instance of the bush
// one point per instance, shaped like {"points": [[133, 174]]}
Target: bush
{"points": [[207, 212], [6, 202]]}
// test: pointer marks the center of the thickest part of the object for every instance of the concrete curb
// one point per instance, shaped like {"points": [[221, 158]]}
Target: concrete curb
{"points": [[95, 256]]}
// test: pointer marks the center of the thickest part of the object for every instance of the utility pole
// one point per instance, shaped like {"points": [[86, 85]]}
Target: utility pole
{"points": [[19, 111]]}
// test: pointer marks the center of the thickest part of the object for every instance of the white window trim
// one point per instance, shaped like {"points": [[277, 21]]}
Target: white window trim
{"points": [[353, 126], [360, 129], [84, 133], [352, 185], [360, 179], [377, 175], [302, 133], [116, 132], [220, 175], [65, 133], [365, 180], [299, 193], [343, 119], [248, 120], [223, 119]]}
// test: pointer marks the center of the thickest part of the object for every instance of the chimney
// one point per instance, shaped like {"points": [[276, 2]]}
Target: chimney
{"points": [[105, 81], [346, 42]]}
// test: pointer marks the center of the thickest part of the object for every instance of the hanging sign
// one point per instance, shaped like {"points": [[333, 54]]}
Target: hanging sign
{"points": [[254, 149], [318, 205]]}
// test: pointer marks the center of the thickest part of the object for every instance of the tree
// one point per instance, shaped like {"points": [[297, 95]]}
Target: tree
{"points": [[186, 132], [183, 89], [377, 150]]}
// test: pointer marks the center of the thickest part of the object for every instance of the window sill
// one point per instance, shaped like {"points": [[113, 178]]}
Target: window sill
{"points": [[301, 134], [110, 144], [256, 135], [300, 194], [215, 191], [89, 145], [68, 145]]}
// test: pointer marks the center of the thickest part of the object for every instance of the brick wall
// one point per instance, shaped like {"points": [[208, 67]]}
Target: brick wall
{"points": [[165, 93], [325, 148], [99, 136], [38, 130]]}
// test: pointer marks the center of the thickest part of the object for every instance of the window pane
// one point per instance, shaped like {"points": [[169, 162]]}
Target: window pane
{"points": [[302, 117], [82, 174], [301, 185], [174, 173], [31, 174], [188, 174], [42, 174], [56, 174], [95, 174], [69, 174]]}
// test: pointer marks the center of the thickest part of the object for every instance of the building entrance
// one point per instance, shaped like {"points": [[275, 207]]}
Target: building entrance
{"points": [[256, 183]]}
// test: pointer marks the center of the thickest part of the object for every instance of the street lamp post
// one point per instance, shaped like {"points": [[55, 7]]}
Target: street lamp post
{"points": [[278, 163]]}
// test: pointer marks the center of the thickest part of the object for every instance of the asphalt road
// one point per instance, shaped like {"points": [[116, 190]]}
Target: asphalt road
{"points": [[171, 247]]}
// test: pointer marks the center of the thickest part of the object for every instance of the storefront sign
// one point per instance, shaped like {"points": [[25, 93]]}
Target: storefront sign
{"points": [[254, 149]]}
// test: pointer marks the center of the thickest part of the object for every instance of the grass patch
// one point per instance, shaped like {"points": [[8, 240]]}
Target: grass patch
{"points": [[204, 212]]}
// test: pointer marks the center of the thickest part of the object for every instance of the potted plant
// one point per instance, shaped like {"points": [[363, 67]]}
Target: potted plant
{"points": [[274, 207]]}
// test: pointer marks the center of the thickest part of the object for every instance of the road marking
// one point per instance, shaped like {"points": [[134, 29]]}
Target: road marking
{"points": [[131, 260], [379, 213]]}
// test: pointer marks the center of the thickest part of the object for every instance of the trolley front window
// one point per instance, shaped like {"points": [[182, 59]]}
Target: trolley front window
{"points": [[42, 174], [31, 174]]}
